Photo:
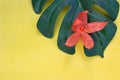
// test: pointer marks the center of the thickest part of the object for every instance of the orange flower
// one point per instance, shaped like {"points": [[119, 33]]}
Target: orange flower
{"points": [[82, 28]]}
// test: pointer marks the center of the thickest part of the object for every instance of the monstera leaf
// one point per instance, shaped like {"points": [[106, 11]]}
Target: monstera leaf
{"points": [[46, 22]]}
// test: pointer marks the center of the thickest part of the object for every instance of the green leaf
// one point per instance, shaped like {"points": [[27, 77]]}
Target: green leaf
{"points": [[37, 5], [46, 22], [110, 6], [101, 38], [65, 29]]}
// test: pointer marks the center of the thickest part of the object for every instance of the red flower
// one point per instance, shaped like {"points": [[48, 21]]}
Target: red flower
{"points": [[82, 28]]}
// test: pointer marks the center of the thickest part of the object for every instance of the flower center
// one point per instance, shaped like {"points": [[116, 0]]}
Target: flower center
{"points": [[81, 29]]}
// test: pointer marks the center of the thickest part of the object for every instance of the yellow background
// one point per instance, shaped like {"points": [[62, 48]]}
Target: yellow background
{"points": [[26, 55]]}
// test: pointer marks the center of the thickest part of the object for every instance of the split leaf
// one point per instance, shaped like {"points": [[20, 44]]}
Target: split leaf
{"points": [[46, 22]]}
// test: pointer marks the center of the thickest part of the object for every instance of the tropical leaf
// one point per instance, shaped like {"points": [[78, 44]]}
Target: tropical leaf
{"points": [[46, 22], [37, 5], [101, 38], [110, 6]]}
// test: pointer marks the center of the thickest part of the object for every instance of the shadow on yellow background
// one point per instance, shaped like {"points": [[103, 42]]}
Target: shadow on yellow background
{"points": [[26, 55]]}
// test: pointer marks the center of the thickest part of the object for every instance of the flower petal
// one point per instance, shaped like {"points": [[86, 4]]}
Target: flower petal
{"points": [[82, 16], [81, 20], [76, 25], [94, 26], [73, 39], [87, 40]]}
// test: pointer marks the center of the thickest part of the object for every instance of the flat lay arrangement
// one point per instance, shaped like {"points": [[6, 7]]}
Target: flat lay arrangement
{"points": [[59, 40]]}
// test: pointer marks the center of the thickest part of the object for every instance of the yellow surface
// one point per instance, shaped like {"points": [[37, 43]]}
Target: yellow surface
{"points": [[26, 55]]}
